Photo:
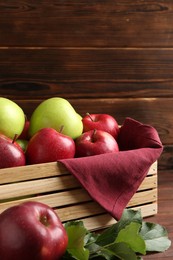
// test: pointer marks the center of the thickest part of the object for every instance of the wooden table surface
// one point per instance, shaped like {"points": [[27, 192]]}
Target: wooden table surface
{"points": [[164, 216]]}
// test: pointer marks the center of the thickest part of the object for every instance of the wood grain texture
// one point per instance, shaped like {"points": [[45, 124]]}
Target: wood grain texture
{"points": [[41, 73], [37, 88], [86, 23], [165, 212], [64, 193], [105, 56]]}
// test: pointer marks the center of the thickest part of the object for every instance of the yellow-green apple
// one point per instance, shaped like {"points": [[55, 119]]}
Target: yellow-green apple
{"points": [[55, 112], [31, 231], [12, 118], [103, 122], [48, 145], [11, 154], [95, 142]]}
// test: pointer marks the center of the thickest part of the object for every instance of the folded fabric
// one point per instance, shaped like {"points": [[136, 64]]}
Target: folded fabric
{"points": [[112, 179]]}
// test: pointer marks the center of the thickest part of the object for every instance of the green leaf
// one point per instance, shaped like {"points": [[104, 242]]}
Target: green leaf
{"points": [[155, 236], [90, 238], [130, 235], [110, 234], [76, 239], [130, 215], [123, 240], [120, 250]]}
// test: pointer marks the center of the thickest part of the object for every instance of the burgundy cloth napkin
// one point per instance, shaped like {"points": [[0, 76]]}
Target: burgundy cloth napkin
{"points": [[112, 179]]}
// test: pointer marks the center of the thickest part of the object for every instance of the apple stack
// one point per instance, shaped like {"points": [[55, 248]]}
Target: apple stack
{"points": [[55, 131], [33, 230]]}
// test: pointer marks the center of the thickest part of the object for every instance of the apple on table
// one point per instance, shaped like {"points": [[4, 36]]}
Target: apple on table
{"points": [[31, 231]]}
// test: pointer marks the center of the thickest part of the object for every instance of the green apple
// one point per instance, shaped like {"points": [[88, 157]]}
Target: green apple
{"points": [[12, 118], [23, 144], [54, 113]]}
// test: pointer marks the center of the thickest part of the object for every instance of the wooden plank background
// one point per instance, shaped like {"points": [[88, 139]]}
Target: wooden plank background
{"points": [[102, 55], [105, 56]]}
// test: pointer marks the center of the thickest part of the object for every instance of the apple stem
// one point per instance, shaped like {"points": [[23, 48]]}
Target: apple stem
{"points": [[61, 129], [44, 221], [93, 135], [15, 138], [88, 114]]}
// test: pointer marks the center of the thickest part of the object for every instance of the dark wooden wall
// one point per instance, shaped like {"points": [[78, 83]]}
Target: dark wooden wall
{"points": [[102, 55]]}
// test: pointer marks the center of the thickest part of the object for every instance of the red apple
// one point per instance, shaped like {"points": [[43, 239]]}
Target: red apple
{"points": [[95, 142], [11, 154], [48, 145], [31, 230], [25, 134], [103, 122]]}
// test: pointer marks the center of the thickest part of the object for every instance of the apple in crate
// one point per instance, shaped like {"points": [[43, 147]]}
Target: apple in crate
{"points": [[12, 118], [48, 145], [25, 135], [103, 122], [23, 144], [11, 154], [95, 142], [55, 112], [31, 231]]}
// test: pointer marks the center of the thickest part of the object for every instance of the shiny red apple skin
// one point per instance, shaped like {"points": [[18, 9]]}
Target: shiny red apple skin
{"points": [[103, 122], [31, 230], [11, 154], [25, 134], [48, 145], [95, 142]]}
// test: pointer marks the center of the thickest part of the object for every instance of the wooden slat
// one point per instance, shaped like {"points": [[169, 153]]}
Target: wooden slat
{"points": [[92, 208], [55, 184], [105, 220], [83, 209], [30, 172], [58, 199], [25, 88], [52, 184], [80, 211], [143, 197], [153, 169], [77, 196], [44, 170], [102, 23], [38, 186], [149, 182], [83, 65]]}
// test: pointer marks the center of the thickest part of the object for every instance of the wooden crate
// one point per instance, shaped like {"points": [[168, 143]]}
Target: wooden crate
{"points": [[52, 184]]}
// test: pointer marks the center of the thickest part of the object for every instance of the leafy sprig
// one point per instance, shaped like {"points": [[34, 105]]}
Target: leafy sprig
{"points": [[128, 239]]}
